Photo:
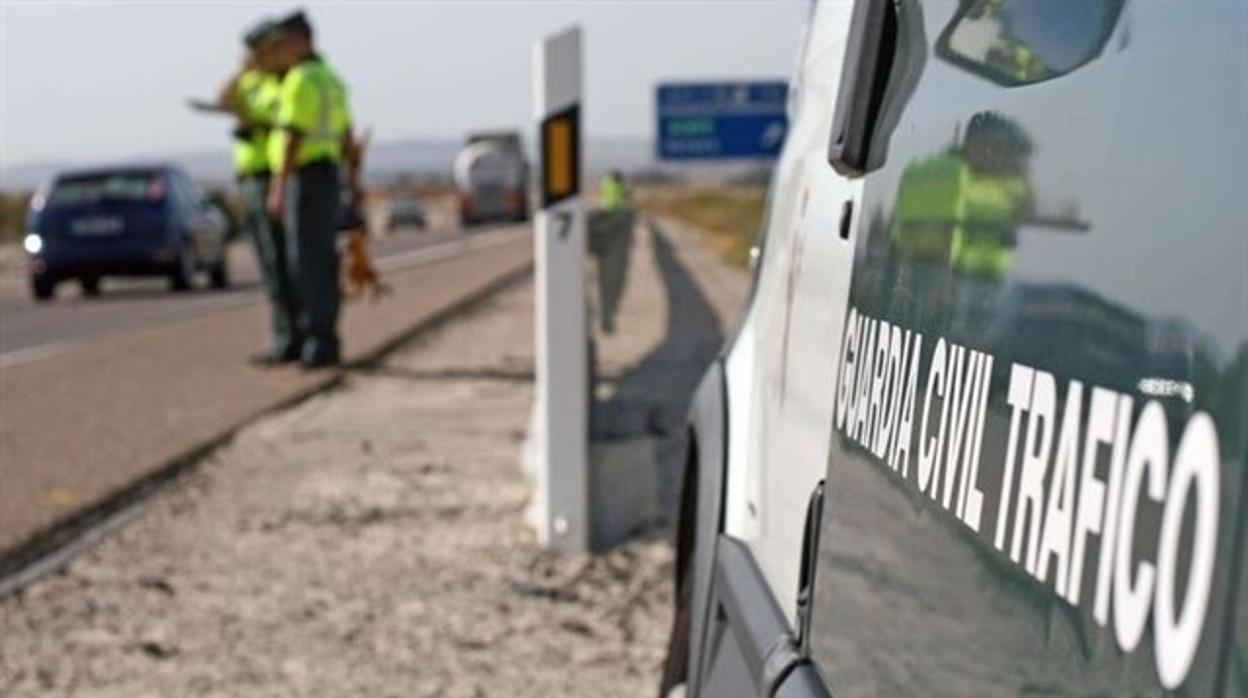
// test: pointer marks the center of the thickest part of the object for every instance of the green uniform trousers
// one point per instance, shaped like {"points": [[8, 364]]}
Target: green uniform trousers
{"points": [[275, 270], [312, 200], [611, 243]]}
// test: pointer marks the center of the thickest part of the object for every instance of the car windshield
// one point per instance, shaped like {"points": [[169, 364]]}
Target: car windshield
{"points": [[114, 187]]}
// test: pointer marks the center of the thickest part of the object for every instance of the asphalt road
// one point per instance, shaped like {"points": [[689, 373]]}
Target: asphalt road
{"points": [[96, 394], [29, 330]]}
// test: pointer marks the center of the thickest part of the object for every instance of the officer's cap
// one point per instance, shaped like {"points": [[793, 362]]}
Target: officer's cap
{"points": [[262, 33], [991, 124], [296, 23]]}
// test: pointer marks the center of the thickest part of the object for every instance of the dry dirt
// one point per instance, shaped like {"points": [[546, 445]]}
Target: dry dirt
{"points": [[368, 542]]}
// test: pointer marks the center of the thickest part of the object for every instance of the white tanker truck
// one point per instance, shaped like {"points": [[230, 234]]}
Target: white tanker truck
{"points": [[492, 178]]}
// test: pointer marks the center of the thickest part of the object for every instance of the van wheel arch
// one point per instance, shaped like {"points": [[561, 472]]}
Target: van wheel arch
{"points": [[676, 663], [698, 525]]}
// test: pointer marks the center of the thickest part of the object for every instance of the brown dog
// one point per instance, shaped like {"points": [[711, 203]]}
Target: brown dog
{"points": [[361, 274]]}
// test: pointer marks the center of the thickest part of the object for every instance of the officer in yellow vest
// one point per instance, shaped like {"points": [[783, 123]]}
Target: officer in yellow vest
{"points": [[611, 241], [252, 96], [613, 191], [311, 143]]}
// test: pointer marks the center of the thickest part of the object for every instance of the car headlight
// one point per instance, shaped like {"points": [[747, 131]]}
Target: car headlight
{"points": [[33, 244]]}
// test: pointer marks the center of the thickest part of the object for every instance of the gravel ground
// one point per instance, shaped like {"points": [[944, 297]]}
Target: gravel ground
{"points": [[368, 542]]}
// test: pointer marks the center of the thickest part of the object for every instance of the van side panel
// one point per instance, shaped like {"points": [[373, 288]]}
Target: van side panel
{"points": [[1036, 472], [778, 453]]}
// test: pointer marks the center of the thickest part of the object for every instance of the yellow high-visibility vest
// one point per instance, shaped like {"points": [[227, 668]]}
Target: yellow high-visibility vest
{"points": [[256, 94], [614, 195], [312, 102]]}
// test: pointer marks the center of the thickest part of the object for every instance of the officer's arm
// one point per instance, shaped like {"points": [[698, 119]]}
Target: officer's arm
{"points": [[288, 119], [295, 114], [228, 97], [293, 139], [353, 152], [276, 202]]}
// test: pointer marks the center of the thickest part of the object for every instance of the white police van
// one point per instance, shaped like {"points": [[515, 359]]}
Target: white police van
{"points": [[983, 428]]}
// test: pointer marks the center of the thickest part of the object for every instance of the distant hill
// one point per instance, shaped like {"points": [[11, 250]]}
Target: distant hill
{"points": [[385, 160], [420, 158]]}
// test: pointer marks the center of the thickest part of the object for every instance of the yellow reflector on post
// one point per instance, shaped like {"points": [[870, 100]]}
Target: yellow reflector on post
{"points": [[561, 157]]}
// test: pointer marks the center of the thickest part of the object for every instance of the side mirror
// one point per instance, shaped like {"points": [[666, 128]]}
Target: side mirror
{"points": [[1022, 42]]}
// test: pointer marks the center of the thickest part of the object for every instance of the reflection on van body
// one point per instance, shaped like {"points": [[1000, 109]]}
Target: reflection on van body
{"points": [[1038, 456]]}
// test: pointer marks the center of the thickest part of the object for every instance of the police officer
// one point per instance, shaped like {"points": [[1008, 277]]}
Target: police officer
{"points": [[252, 96], [614, 192], [312, 141]]}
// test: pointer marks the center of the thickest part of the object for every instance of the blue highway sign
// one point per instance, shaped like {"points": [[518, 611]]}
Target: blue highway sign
{"points": [[721, 120]]}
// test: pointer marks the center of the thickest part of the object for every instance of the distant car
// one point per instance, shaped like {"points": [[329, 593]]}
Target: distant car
{"points": [[405, 213], [124, 221]]}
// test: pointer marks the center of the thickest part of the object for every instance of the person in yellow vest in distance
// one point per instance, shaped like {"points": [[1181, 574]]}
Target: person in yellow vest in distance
{"points": [[613, 191], [251, 95], [311, 143], [955, 224], [611, 242]]}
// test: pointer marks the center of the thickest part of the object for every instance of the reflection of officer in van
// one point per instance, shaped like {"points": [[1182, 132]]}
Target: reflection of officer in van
{"points": [[955, 223]]}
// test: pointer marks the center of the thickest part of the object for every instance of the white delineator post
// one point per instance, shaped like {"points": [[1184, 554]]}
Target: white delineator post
{"points": [[561, 410]]}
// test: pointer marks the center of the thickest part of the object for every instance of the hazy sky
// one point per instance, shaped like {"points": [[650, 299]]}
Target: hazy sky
{"points": [[98, 80]]}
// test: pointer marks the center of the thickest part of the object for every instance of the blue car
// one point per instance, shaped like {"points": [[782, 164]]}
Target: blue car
{"points": [[124, 221]]}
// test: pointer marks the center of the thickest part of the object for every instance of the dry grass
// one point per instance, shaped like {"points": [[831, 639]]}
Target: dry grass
{"points": [[729, 215]]}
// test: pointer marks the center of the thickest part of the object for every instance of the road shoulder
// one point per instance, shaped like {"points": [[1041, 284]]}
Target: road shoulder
{"points": [[378, 525]]}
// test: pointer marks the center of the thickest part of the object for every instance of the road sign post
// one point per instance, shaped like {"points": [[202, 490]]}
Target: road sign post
{"points": [[561, 431]]}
